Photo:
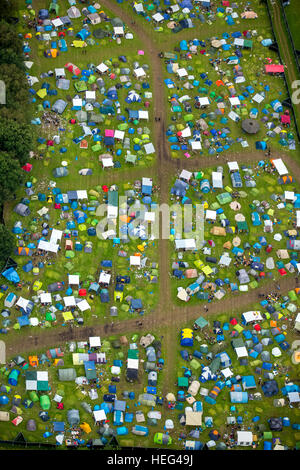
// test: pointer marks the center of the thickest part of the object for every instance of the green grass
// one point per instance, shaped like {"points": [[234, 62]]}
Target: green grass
{"points": [[294, 24]]}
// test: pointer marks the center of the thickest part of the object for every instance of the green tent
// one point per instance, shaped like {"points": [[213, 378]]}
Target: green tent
{"points": [[292, 295], [183, 382], [160, 438], [188, 117], [33, 396], [195, 364], [133, 354], [80, 86], [45, 402], [201, 322]]}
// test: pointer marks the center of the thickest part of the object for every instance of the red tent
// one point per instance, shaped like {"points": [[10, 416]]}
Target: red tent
{"points": [[274, 68], [257, 327], [105, 188], [27, 167], [282, 271], [233, 321], [82, 292]]}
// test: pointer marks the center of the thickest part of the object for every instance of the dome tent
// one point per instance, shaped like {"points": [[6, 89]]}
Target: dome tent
{"points": [[73, 417]]}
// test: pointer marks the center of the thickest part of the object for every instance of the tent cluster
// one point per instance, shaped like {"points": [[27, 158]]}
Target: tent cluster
{"points": [[113, 131], [95, 365], [177, 16], [208, 106], [75, 29], [72, 296], [252, 343], [227, 260]]}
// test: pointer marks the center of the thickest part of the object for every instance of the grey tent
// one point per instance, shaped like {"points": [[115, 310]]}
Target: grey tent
{"points": [[59, 172], [67, 375], [113, 311], [85, 172], [31, 425], [73, 12], [63, 84], [265, 356], [251, 126], [81, 116], [147, 399], [73, 417], [116, 22], [86, 407], [59, 106], [99, 33], [22, 209]]}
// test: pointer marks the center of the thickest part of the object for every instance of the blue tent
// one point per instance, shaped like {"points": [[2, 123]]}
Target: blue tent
{"points": [[11, 275], [136, 304], [23, 320]]}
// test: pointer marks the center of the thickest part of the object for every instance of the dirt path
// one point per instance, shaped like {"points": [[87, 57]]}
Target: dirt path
{"points": [[167, 313]]}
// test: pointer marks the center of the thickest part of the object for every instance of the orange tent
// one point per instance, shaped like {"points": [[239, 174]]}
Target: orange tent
{"points": [[33, 361]]}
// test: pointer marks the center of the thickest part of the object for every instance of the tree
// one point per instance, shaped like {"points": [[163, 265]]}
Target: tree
{"points": [[11, 177], [16, 139], [10, 56], [7, 244], [7, 9], [16, 87], [9, 38]]}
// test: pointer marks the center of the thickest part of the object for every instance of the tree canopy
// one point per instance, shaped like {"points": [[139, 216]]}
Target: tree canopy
{"points": [[11, 176], [7, 244], [16, 139]]}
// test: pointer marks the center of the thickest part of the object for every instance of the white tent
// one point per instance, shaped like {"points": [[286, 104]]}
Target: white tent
{"points": [[46, 298], [102, 68], [69, 301], [73, 279], [185, 175], [280, 166], [217, 180], [95, 341], [244, 438], [135, 260], [104, 278], [83, 305], [185, 243], [241, 352], [99, 415]]}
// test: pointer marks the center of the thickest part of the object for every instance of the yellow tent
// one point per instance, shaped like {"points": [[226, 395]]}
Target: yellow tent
{"points": [[76, 359], [77, 43], [198, 263], [42, 93], [68, 316], [207, 270], [85, 427]]}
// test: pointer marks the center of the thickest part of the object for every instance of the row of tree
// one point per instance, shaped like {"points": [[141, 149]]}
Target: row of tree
{"points": [[15, 132]]}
